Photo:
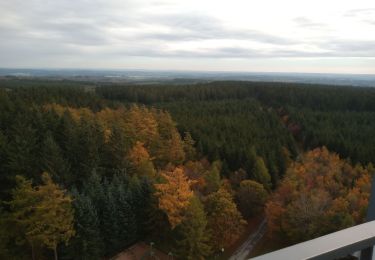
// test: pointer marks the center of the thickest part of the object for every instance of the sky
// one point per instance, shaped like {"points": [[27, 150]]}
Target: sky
{"points": [[320, 36]]}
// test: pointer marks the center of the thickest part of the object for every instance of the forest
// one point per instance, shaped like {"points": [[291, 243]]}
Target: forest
{"points": [[88, 169]]}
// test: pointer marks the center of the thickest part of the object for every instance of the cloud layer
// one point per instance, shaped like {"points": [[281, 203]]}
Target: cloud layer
{"points": [[147, 33]]}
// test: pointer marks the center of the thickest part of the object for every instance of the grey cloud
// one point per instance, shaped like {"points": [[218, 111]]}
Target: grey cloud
{"points": [[48, 31], [352, 48], [187, 26]]}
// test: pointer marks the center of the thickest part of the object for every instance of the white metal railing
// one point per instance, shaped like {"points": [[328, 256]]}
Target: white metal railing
{"points": [[331, 246]]}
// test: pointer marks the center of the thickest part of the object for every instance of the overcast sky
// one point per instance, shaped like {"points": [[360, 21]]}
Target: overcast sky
{"points": [[236, 35]]}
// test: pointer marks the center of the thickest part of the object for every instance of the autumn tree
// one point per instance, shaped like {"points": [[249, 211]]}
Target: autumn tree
{"points": [[174, 195], [22, 216], [43, 215], [224, 220], [194, 241], [53, 223], [141, 161], [142, 125], [319, 194], [170, 144], [237, 177]]}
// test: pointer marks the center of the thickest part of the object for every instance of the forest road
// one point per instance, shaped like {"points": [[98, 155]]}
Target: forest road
{"points": [[244, 250]]}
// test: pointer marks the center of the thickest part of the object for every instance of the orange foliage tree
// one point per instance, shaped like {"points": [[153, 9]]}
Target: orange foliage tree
{"points": [[319, 194], [174, 195]]}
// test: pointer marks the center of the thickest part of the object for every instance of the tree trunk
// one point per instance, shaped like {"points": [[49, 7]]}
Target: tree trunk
{"points": [[55, 252], [32, 251]]}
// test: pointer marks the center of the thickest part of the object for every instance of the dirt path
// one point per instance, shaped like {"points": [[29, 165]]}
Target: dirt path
{"points": [[244, 250]]}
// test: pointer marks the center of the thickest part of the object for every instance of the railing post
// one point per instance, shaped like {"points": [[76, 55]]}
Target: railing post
{"points": [[366, 254]]}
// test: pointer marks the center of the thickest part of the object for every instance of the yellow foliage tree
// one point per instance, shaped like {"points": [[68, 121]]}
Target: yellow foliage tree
{"points": [[141, 161], [174, 195], [42, 215]]}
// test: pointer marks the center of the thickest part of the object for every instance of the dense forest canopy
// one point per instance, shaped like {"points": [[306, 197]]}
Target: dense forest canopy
{"points": [[183, 165], [341, 118]]}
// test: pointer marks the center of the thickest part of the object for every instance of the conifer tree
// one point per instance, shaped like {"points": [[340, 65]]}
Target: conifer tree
{"points": [[87, 244], [213, 178], [194, 242], [116, 148], [189, 149], [174, 195], [22, 149], [42, 215], [140, 160], [261, 174], [53, 223], [52, 160]]}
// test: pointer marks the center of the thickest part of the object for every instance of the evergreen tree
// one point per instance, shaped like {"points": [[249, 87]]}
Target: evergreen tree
{"points": [[110, 228], [189, 149], [140, 197], [194, 242], [116, 149], [212, 177], [261, 174], [52, 160], [127, 232], [22, 149], [88, 243]]}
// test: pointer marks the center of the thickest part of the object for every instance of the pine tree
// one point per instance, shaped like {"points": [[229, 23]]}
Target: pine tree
{"points": [[110, 227], [194, 242], [213, 179], [126, 221], [22, 149], [189, 149], [87, 244], [67, 139], [116, 148], [52, 160], [127, 232], [261, 174], [140, 196], [91, 140]]}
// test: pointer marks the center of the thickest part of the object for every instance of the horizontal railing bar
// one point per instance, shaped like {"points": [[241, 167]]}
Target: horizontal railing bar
{"points": [[331, 246]]}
